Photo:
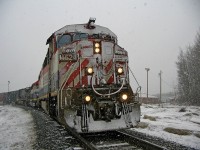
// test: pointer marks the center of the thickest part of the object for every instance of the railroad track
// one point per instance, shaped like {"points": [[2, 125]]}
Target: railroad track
{"points": [[112, 140], [56, 136]]}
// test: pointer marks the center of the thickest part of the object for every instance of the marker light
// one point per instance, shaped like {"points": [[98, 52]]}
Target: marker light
{"points": [[120, 70], [87, 98]]}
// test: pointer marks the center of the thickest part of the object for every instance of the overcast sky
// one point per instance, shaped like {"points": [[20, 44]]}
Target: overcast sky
{"points": [[152, 31]]}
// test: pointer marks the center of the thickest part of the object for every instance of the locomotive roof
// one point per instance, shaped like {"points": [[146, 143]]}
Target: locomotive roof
{"points": [[82, 28]]}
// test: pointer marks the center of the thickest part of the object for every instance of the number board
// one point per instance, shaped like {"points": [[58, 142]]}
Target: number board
{"points": [[68, 55]]}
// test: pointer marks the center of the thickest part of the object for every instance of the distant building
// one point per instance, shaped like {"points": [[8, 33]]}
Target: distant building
{"points": [[171, 100], [1, 99], [150, 100]]}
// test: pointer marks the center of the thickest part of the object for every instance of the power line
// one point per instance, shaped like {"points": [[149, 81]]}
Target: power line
{"points": [[134, 77], [168, 84]]}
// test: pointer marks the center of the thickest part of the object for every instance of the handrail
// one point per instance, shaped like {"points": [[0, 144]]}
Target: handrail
{"points": [[123, 82]]}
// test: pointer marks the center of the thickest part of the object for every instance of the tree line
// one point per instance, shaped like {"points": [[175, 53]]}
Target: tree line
{"points": [[188, 67]]}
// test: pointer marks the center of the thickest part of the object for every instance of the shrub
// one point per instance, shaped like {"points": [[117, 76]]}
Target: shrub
{"points": [[178, 131]]}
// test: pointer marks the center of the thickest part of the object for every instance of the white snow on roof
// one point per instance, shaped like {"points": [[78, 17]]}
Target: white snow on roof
{"points": [[16, 129], [169, 116], [81, 28]]}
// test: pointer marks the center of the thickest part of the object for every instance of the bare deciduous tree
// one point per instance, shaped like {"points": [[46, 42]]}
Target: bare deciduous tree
{"points": [[188, 67]]}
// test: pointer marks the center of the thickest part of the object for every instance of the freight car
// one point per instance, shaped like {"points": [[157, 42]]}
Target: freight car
{"points": [[2, 98], [21, 97], [84, 80], [34, 95]]}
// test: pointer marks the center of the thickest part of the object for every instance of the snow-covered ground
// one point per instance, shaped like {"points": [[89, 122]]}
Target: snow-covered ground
{"points": [[16, 129], [169, 116]]}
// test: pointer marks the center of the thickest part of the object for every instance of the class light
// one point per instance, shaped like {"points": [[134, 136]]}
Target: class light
{"points": [[120, 70], [124, 97], [90, 70], [87, 98]]}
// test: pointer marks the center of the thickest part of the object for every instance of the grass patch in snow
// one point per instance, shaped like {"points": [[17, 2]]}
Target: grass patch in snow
{"points": [[191, 114], [197, 134], [149, 117], [183, 109], [142, 125], [178, 131]]}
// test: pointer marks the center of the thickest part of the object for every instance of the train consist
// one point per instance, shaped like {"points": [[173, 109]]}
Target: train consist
{"points": [[84, 80], [21, 97]]}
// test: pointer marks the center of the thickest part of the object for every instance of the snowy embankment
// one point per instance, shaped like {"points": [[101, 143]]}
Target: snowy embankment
{"points": [[155, 120], [16, 128]]}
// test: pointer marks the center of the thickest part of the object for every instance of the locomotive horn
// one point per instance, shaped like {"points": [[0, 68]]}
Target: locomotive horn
{"points": [[90, 24]]}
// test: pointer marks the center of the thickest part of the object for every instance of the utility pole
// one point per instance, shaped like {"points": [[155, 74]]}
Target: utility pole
{"points": [[8, 91], [160, 74], [147, 69]]}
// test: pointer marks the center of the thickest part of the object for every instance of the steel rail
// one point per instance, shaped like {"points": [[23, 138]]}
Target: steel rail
{"points": [[130, 138], [119, 134], [86, 144]]}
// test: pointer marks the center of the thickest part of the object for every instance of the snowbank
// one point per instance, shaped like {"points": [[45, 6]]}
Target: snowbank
{"points": [[16, 129], [169, 116]]}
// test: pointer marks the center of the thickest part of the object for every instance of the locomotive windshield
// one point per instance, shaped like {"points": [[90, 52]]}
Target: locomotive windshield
{"points": [[80, 36], [69, 38], [64, 39]]}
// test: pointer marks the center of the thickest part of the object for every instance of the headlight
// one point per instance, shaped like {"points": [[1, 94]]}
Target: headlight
{"points": [[97, 45], [90, 70], [87, 98], [120, 70], [124, 97], [97, 48]]}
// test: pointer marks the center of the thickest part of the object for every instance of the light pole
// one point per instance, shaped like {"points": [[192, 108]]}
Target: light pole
{"points": [[147, 69], [160, 74]]}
